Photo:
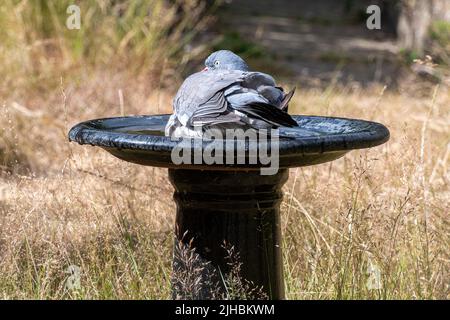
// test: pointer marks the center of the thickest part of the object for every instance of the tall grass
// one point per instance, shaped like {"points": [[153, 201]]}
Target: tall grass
{"points": [[375, 216], [123, 34], [38, 53], [373, 224]]}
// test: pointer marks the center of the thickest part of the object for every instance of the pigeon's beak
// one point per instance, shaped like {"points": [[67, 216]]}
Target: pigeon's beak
{"points": [[205, 69]]}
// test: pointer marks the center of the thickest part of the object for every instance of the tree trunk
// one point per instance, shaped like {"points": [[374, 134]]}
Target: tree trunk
{"points": [[415, 19]]}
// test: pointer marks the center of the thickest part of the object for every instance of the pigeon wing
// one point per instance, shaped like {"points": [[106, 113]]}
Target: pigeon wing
{"points": [[254, 80], [201, 94], [268, 113], [274, 95], [256, 87], [257, 97]]}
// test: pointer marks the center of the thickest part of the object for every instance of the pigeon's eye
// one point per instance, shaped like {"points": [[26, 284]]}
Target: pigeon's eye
{"points": [[217, 63]]}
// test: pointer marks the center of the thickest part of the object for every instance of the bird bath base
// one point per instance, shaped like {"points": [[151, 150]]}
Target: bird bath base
{"points": [[235, 209], [235, 206]]}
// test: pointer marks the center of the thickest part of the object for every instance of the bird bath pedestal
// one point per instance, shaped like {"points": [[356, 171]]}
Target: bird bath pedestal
{"points": [[232, 204]]}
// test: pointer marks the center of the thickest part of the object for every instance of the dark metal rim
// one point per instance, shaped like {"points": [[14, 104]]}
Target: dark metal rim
{"points": [[372, 134]]}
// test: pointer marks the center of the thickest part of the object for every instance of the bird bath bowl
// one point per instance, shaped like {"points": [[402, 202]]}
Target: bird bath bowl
{"points": [[231, 203]]}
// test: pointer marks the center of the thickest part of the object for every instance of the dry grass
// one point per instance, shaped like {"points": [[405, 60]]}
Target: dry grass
{"points": [[126, 34], [382, 211], [385, 208]]}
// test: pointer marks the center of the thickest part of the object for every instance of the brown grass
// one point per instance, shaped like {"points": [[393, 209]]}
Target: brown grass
{"points": [[386, 207], [379, 214]]}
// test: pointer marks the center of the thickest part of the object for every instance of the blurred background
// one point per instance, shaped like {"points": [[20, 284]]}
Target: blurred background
{"points": [[311, 42], [63, 205]]}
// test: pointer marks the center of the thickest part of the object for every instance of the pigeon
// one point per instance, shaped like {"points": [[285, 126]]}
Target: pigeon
{"points": [[226, 94]]}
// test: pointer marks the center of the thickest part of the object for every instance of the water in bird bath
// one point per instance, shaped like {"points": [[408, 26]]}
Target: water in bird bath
{"points": [[157, 129]]}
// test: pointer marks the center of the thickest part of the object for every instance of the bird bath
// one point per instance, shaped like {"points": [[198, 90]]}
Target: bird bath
{"points": [[231, 203]]}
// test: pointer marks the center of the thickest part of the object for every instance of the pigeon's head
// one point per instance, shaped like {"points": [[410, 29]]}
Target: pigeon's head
{"points": [[225, 60]]}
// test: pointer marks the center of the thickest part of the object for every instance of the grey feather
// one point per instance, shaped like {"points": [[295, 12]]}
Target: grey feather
{"points": [[227, 95], [272, 94], [199, 88]]}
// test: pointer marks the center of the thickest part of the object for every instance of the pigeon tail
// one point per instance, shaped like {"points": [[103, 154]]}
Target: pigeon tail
{"points": [[268, 113], [285, 103]]}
